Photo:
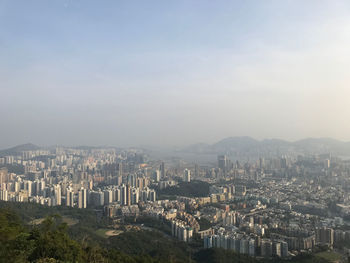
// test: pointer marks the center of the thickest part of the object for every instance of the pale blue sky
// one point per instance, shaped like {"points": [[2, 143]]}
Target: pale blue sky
{"points": [[172, 72]]}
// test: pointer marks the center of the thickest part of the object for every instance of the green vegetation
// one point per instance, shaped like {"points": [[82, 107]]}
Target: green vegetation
{"points": [[328, 255], [102, 232], [50, 242], [17, 150], [151, 243], [89, 236], [215, 255], [161, 225], [82, 223], [302, 258], [204, 224], [14, 168], [191, 189], [69, 221], [49, 239], [30, 211]]}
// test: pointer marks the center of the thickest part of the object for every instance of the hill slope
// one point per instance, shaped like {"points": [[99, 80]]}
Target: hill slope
{"points": [[249, 147], [18, 149]]}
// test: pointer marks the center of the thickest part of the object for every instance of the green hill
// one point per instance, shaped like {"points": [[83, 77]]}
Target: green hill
{"points": [[35, 233]]}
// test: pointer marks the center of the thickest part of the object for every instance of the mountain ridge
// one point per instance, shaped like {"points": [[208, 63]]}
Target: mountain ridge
{"points": [[19, 148], [246, 145], [249, 145]]}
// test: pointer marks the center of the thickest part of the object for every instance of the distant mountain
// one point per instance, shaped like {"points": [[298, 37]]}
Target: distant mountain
{"points": [[324, 145], [199, 147], [248, 147], [317, 142], [19, 148], [235, 144]]}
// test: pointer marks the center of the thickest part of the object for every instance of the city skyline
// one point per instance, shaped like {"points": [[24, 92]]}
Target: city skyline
{"points": [[155, 73], [174, 131]]}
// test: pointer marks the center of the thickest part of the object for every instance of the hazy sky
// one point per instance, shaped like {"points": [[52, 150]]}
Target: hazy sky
{"points": [[172, 72]]}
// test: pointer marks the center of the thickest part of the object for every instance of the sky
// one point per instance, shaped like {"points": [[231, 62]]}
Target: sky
{"points": [[172, 73]]}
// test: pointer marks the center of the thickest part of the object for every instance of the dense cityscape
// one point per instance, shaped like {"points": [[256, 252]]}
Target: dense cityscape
{"points": [[187, 131], [264, 208]]}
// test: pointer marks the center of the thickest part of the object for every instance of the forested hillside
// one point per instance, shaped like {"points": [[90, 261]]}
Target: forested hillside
{"points": [[35, 233]]}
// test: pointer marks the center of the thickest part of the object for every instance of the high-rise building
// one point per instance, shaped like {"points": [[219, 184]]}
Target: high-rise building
{"points": [[29, 188], [82, 198], [58, 199], [187, 175], [119, 180], [126, 195], [108, 196], [70, 198], [9, 159], [91, 184], [327, 164], [284, 162], [131, 180], [276, 249], [284, 249], [157, 175], [134, 196], [196, 171], [266, 248], [152, 196], [162, 170], [3, 175], [244, 246], [4, 195], [117, 195], [96, 198], [261, 163], [208, 242], [222, 162], [325, 236], [251, 251], [123, 195], [120, 169]]}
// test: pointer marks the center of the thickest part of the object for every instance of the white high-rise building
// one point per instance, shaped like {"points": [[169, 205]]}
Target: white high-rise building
{"points": [[117, 195], [187, 175], [4, 195], [82, 198], [58, 198], [108, 196], [17, 186], [70, 198], [157, 175], [29, 188], [134, 196], [152, 196]]}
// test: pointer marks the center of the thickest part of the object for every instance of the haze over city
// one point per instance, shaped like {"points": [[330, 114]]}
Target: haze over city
{"points": [[156, 131], [127, 73]]}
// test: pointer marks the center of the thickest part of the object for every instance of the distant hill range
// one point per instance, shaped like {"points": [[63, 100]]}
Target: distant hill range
{"points": [[18, 149], [242, 146], [247, 146]]}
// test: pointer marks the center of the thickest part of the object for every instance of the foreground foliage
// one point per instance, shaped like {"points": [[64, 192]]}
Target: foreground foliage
{"points": [[51, 241]]}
